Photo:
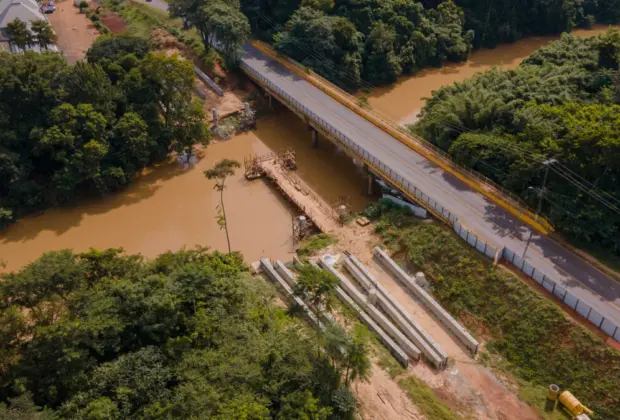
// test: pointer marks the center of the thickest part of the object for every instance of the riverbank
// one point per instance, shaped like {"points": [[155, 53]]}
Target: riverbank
{"points": [[168, 208], [402, 101]]}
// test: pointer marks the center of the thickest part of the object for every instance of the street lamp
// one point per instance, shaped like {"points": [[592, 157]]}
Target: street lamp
{"points": [[541, 195]]}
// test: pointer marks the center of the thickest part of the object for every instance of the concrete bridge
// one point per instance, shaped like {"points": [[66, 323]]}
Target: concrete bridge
{"points": [[498, 226]]}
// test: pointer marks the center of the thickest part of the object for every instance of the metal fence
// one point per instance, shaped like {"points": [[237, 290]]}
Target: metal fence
{"points": [[443, 213], [585, 310]]}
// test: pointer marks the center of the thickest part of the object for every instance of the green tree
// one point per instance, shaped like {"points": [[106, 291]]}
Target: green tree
{"points": [[335, 43], [43, 33], [316, 287], [220, 171], [224, 26], [190, 129], [19, 34], [609, 50], [172, 80], [131, 142], [83, 6], [220, 24], [381, 63]]}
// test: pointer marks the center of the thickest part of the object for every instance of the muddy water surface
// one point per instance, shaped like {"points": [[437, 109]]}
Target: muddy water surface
{"points": [[169, 208], [403, 101]]}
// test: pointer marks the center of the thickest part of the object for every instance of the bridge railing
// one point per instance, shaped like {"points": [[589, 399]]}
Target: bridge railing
{"points": [[492, 251], [484, 185]]}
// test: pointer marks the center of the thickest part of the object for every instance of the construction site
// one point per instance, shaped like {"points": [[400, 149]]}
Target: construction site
{"points": [[315, 215]]}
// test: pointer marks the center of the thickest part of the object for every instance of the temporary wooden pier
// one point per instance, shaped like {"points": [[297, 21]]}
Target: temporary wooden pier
{"points": [[277, 168]]}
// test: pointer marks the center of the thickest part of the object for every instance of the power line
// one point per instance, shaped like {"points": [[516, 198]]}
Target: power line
{"points": [[345, 74]]}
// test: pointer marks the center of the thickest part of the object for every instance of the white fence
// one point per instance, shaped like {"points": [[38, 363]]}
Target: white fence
{"points": [[585, 310]]}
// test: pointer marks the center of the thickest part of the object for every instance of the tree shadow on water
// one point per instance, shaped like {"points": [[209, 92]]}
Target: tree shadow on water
{"points": [[61, 219]]}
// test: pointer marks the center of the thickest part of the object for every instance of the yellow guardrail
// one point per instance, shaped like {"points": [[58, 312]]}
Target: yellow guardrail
{"points": [[417, 144]]}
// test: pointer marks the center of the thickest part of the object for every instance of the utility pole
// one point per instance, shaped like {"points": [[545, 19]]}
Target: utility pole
{"points": [[541, 195]]}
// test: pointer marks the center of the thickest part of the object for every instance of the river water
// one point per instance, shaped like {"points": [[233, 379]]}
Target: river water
{"points": [[403, 100], [169, 208]]}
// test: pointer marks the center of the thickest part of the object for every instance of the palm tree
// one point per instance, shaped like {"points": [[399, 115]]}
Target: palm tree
{"points": [[219, 172], [43, 33], [19, 34]]}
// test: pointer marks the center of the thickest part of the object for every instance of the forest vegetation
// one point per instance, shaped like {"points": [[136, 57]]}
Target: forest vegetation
{"points": [[525, 333], [88, 129], [189, 334], [360, 43], [562, 103]]}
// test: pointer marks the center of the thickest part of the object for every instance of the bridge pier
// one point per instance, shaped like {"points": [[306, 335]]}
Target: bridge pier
{"points": [[315, 138], [368, 183]]}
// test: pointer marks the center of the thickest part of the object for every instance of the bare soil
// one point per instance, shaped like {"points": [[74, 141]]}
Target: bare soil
{"points": [[114, 23], [74, 30], [468, 387], [382, 398]]}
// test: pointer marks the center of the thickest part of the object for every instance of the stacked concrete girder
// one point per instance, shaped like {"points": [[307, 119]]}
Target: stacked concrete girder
{"points": [[446, 319], [398, 306], [431, 350], [387, 341], [290, 279], [410, 349], [274, 276]]}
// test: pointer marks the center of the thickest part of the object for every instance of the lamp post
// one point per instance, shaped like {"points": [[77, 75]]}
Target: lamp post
{"points": [[541, 195]]}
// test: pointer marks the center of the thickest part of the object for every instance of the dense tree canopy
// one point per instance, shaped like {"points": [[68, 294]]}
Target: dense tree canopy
{"points": [[354, 43], [187, 335], [561, 103], [220, 23], [90, 128]]}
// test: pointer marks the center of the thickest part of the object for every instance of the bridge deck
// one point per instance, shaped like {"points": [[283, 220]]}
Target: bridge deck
{"points": [[478, 213]]}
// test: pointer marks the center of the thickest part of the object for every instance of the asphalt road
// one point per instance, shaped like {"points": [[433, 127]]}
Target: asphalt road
{"points": [[487, 219]]}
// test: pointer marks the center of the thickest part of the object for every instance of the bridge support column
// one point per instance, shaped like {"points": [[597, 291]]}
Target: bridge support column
{"points": [[315, 138], [368, 184]]}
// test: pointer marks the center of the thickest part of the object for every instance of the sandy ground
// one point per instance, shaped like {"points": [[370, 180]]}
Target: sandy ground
{"points": [[74, 30], [468, 387], [382, 398]]}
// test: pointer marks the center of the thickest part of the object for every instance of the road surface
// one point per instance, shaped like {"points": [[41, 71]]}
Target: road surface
{"points": [[482, 216]]}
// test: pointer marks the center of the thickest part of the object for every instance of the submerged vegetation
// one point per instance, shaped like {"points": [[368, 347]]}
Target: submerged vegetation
{"points": [[538, 342], [561, 103], [189, 334]]}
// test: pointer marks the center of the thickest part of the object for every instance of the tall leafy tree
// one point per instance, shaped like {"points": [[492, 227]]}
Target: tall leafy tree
{"points": [[220, 171]]}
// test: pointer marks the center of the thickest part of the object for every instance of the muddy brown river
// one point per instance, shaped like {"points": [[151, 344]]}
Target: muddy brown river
{"points": [[169, 208]]}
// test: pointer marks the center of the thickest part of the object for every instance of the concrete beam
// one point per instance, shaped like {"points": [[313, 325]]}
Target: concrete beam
{"points": [[288, 276], [387, 341], [376, 315], [398, 306], [446, 319], [440, 361], [275, 277]]}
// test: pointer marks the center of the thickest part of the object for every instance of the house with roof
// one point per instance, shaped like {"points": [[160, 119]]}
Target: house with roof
{"points": [[27, 11]]}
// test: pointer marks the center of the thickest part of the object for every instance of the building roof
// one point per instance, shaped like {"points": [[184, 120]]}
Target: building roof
{"points": [[25, 10]]}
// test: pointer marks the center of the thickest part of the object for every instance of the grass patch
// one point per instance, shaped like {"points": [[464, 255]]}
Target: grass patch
{"points": [[315, 243], [385, 360], [141, 19], [538, 342], [425, 399]]}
